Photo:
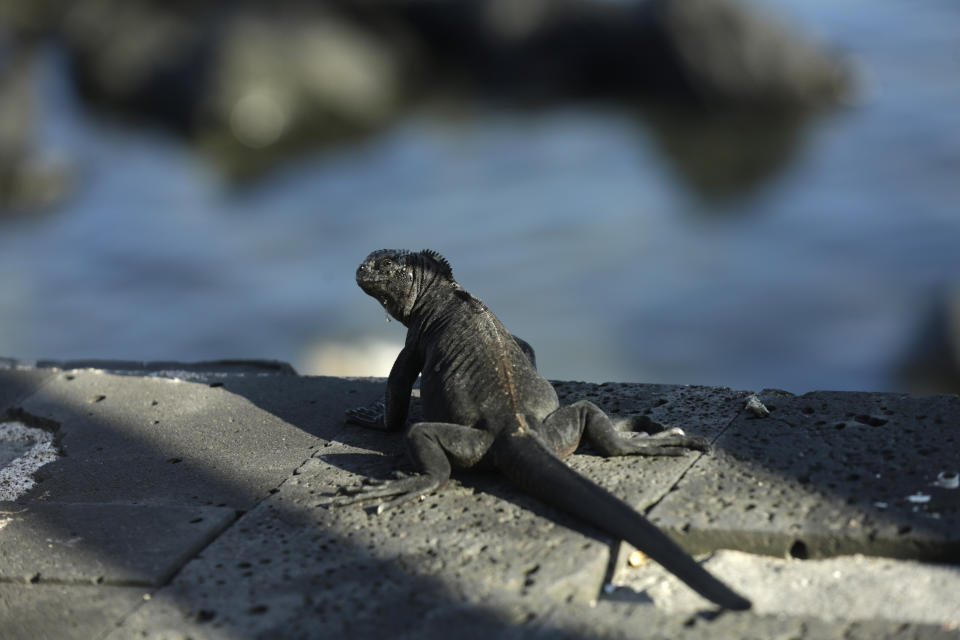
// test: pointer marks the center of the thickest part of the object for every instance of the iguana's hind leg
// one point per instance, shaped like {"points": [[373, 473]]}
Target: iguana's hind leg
{"points": [[563, 429], [433, 446]]}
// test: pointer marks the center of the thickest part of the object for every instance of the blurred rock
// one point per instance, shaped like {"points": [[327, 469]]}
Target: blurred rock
{"points": [[253, 81], [718, 53], [932, 364], [27, 19], [31, 178], [728, 54], [722, 155], [283, 80], [145, 58]]}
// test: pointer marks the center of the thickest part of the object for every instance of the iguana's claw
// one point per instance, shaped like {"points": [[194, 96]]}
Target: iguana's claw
{"points": [[672, 442], [671, 431], [370, 417], [675, 437], [403, 489], [397, 475], [354, 489]]}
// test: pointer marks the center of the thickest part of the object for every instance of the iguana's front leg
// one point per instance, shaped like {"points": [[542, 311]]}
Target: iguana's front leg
{"points": [[391, 414], [433, 446]]}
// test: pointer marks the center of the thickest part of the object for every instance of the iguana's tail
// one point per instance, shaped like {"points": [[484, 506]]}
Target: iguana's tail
{"points": [[529, 464]]}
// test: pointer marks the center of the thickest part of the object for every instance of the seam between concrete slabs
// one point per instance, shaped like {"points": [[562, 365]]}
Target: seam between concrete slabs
{"points": [[692, 464], [173, 576], [617, 552], [149, 591]]}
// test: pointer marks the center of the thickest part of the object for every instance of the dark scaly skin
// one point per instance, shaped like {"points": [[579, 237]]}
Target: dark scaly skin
{"points": [[484, 404]]}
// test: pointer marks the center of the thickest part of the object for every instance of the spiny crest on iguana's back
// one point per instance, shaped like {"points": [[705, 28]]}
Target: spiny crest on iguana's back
{"points": [[427, 258], [438, 263]]}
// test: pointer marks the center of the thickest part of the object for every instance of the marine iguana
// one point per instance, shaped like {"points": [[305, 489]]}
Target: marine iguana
{"points": [[485, 405]]}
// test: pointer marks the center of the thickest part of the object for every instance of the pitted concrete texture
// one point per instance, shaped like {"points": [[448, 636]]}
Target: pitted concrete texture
{"points": [[211, 488], [299, 571], [706, 411], [475, 541], [642, 482], [117, 544], [827, 473], [160, 440], [629, 620], [63, 612], [829, 589]]}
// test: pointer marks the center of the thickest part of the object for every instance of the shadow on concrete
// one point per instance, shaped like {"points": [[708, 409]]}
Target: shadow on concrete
{"points": [[120, 515]]}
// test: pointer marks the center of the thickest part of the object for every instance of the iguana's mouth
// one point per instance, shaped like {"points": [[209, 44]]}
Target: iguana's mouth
{"points": [[370, 283]]}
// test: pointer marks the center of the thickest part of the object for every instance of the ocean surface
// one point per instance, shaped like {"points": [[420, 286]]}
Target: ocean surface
{"points": [[575, 224]]}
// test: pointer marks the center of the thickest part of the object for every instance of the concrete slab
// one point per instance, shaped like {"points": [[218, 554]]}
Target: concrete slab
{"points": [[295, 567], [313, 404], [264, 579], [115, 544], [351, 572], [477, 559], [476, 534], [641, 482], [628, 620], [706, 411], [845, 588], [342, 577], [62, 612], [827, 474], [155, 440]]}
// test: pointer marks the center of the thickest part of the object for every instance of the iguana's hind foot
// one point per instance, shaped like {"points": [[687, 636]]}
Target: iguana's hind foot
{"points": [[674, 437], [404, 488], [562, 429], [667, 443]]}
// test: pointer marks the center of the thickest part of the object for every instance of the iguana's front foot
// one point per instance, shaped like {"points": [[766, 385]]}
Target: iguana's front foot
{"points": [[404, 488], [368, 417]]}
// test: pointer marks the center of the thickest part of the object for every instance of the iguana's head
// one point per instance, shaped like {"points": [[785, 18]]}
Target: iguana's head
{"points": [[398, 278]]}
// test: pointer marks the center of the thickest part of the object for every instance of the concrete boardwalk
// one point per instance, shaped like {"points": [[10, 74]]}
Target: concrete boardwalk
{"points": [[190, 502]]}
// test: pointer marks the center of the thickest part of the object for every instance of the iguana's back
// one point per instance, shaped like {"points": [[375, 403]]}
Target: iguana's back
{"points": [[474, 371]]}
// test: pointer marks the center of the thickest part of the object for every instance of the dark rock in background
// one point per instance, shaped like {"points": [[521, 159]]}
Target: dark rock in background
{"points": [[251, 83], [933, 361], [31, 177]]}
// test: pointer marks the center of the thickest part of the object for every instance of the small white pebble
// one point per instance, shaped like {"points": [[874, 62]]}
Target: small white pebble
{"points": [[756, 407], [948, 480], [638, 559]]}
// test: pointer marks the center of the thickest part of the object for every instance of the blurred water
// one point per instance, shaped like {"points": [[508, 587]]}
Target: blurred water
{"points": [[569, 222]]}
